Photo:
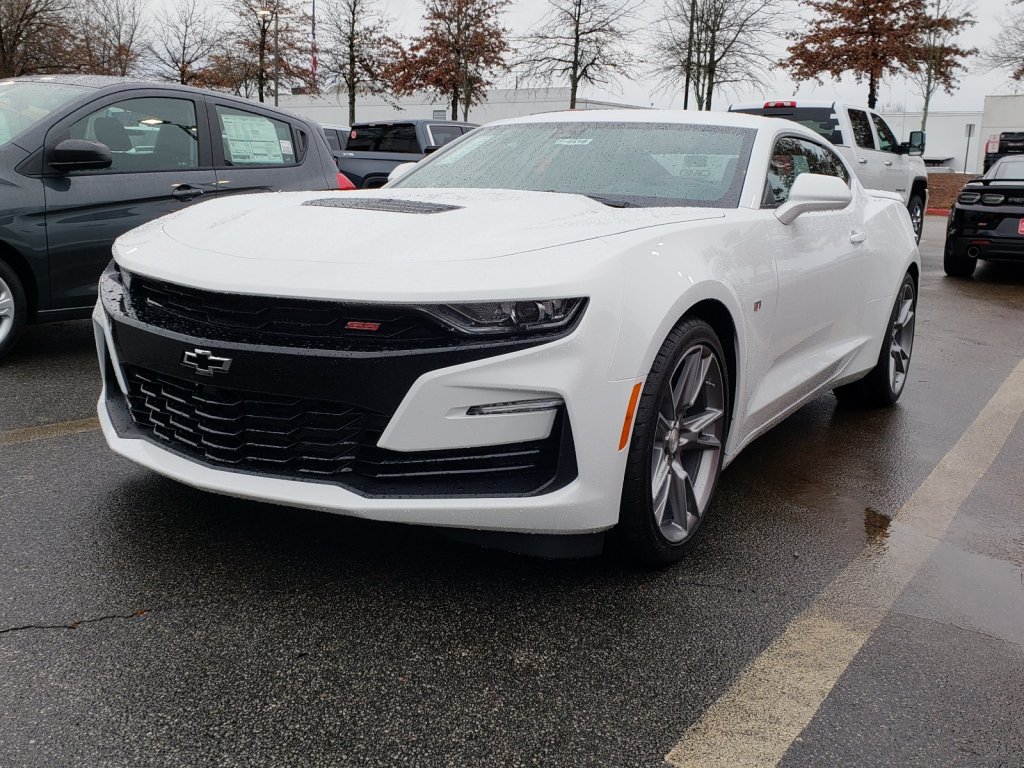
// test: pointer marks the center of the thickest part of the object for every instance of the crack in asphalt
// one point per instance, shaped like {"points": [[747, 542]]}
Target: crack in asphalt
{"points": [[139, 613]]}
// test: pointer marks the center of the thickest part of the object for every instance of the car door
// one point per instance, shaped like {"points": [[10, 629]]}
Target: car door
{"points": [[821, 281], [869, 161], [160, 164], [258, 150], [895, 165]]}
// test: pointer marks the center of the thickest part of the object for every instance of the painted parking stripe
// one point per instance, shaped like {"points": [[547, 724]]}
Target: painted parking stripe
{"points": [[755, 722], [46, 431]]}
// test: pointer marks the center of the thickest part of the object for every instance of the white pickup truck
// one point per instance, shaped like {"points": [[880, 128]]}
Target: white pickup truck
{"points": [[868, 144]]}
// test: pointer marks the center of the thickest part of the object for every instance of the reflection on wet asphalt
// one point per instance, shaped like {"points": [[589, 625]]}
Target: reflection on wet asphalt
{"points": [[214, 631]]}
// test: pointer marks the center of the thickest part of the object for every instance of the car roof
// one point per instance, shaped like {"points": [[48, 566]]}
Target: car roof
{"points": [[680, 117], [414, 121]]}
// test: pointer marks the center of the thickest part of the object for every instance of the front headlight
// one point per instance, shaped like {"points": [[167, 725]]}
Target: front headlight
{"points": [[505, 317]]}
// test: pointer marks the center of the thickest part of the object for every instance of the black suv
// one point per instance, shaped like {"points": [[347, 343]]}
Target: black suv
{"points": [[83, 159]]}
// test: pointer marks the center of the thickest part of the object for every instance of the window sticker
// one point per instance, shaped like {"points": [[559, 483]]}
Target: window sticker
{"points": [[286, 147], [573, 142], [252, 139]]}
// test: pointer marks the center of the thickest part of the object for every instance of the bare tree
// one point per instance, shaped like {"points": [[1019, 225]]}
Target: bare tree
{"points": [[33, 34], [942, 59], [187, 35], [359, 52], [584, 42], [111, 36], [1007, 49], [714, 45]]}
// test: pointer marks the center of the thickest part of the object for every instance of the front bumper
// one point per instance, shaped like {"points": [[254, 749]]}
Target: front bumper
{"points": [[426, 418]]}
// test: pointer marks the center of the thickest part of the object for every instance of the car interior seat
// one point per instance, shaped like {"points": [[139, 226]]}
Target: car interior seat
{"points": [[173, 147], [109, 131]]}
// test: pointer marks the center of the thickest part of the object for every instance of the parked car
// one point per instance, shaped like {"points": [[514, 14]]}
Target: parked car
{"points": [[987, 220], [336, 136], [1001, 145], [869, 145], [84, 159], [374, 149], [564, 324]]}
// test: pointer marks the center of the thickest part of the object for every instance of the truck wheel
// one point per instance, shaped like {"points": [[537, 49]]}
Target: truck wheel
{"points": [[957, 264], [13, 308], [916, 209]]}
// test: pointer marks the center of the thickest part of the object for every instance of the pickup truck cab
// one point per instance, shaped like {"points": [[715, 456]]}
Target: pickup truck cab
{"points": [[373, 150], [869, 145]]}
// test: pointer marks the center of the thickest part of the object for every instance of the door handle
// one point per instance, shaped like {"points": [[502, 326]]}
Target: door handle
{"points": [[857, 237], [862, 160], [186, 192], [888, 163]]}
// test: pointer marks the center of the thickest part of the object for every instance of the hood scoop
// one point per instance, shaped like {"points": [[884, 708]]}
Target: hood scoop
{"points": [[388, 205]]}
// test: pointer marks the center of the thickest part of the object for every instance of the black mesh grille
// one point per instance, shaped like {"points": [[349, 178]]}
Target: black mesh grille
{"points": [[282, 321], [388, 205], [301, 438]]}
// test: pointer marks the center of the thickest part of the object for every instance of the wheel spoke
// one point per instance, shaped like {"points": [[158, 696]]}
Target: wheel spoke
{"points": [[678, 495], [906, 314], [900, 358], [6, 305], [691, 379], [660, 487], [699, 422]]}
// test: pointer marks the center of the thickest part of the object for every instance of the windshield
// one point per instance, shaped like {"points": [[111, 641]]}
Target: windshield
{"points": [[1007, 169], [23, 103], [620, 164]]}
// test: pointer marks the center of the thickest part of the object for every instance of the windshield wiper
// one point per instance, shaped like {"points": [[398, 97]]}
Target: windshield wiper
{"points": [[610, 202]]}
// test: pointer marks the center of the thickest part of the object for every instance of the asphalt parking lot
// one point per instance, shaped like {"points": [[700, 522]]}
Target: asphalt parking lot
{"points": [[857, 597]]}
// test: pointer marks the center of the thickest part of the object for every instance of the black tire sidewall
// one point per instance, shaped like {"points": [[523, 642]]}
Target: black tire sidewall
{"points": [[10, 277], [636, 529]]}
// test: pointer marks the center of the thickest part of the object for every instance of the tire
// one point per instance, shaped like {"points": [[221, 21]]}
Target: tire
{"points": [[661, 514], [885, 383], [957, 265], [915, 207], [13, 308]]}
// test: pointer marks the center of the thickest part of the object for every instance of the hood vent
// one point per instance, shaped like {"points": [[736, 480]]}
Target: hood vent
{"points": [[388, 205]]}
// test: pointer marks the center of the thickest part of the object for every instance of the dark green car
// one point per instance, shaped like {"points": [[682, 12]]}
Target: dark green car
{"points": [[83, 159]]}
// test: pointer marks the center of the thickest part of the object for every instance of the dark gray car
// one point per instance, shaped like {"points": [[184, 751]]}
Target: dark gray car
{"points": [[83, 159]]}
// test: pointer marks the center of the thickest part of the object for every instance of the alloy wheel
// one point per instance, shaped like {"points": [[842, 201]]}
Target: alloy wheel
{"points": [[7, 310], [902, 344], [687, 447]]}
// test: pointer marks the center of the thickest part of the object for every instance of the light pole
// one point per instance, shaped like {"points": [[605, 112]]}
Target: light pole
{"points": [[266, 13]]}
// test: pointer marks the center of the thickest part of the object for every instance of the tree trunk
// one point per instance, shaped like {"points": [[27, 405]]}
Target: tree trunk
{"points": [[351, 80], [872, 90], [574, 75], [261, 76], [455, 104], [689, 55]]}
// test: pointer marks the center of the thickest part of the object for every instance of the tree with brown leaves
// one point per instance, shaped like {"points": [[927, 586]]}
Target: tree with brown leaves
{"points": [[34, 36], [359, 53], [868, 38], [583, 42], [461, 49], [1007, 49], [110, 37]]}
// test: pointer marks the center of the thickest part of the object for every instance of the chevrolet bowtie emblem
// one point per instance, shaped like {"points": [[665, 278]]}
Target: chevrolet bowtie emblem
{"points": [[204, 362]]}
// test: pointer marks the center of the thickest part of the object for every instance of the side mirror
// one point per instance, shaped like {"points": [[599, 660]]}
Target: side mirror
{"points": [[80, 155], [916, 144], [814, 192], [399, 171]]}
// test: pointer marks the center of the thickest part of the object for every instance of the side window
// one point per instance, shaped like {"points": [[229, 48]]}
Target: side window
{"points": [[332, 140], [150, 134], [251, 139], [442, 134], [861, 128], [886, 138], [791, 157]]}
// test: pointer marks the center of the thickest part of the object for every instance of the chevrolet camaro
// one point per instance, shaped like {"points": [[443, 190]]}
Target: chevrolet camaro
{"points": [[560, 324]]}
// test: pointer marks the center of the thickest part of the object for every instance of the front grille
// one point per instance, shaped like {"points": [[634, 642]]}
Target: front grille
{"points": [[287, 322], [329, 441]]}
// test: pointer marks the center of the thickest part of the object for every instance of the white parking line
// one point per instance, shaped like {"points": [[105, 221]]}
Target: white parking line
{"points": [[755, 722], [45, 431]]}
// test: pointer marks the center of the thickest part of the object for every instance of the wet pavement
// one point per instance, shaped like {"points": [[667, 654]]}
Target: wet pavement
{"points": [[143, 623]]}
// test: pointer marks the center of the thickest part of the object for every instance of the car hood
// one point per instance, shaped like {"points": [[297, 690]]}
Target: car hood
{"points": [[400, 226]]}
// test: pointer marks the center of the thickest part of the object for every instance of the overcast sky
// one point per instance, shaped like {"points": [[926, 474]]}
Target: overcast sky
{"points": [[898, 93]]}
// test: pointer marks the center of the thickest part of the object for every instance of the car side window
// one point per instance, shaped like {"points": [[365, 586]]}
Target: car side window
{"points": [[250, 139], [332, 140], [442, 134], [861, 128], [148, 134], [886, 138], [792, 156]]}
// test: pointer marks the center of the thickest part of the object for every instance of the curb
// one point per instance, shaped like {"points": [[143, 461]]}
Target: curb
{"points": [[936, 211]]}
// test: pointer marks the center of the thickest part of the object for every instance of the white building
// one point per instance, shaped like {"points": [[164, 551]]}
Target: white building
{"points": [[332, 108], [948, 144]]}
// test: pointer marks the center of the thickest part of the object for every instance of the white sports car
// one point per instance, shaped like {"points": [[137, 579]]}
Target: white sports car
{"points": [[561, 324]]}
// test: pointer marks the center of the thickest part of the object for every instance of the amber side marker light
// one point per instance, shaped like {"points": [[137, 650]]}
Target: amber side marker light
{"points": [[627, 423]]}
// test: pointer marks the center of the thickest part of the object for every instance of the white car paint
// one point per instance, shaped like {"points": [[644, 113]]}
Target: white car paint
{"points": [[809, 300]]}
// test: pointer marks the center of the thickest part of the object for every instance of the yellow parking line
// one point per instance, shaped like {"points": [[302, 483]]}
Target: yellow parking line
{"points": [[755, 722], [46, 431]]}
